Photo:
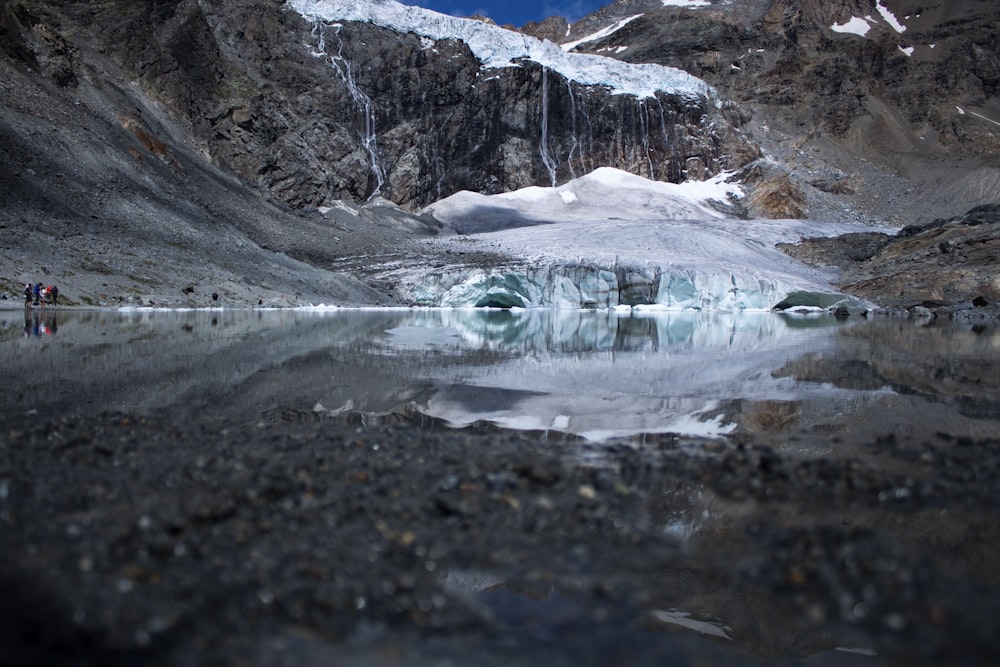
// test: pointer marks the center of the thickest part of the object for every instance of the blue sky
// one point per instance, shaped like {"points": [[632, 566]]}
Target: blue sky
{"points": [[515, 12]]}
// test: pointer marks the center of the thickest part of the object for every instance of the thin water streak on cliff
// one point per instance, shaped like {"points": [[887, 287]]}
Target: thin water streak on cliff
{"points": [[644, 133], [550, 164], [573, 135], [366, 108]]}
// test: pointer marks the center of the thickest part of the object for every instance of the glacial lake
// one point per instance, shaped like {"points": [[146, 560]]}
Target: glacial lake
{"points": [[809, 382]]}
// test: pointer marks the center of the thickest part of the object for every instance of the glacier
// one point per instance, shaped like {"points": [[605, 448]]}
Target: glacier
{"points": [[606, 240], [613, 240], [497, 47]]}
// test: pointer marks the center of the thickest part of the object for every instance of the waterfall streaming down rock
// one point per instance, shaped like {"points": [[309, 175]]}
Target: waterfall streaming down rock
{"points": [[644, 136], [366, 109], [575, 141], [423, 106], [550, 164]]}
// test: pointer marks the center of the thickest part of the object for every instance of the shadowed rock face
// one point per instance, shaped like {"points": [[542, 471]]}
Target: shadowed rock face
{"points": [[383, 113]]}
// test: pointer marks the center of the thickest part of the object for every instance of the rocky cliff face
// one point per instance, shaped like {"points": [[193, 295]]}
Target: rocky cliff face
{"points": [[107, 192], [904, 85], [380, 112], [414, 120], [427, 122], [834, 60], [312, 113]]}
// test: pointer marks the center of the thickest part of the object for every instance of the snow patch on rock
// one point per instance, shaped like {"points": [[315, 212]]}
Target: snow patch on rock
{"points": [[686, 3], [600, 34], [855, 26], [890, 18]]}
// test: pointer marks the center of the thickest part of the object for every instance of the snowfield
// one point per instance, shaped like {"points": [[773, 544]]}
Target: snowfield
{"points": [[604, 194]]}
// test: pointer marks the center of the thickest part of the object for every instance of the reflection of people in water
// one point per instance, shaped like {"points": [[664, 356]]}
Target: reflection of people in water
{"points": [[36, 325]]}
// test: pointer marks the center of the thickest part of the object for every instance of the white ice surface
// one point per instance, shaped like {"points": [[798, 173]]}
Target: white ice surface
{"points": [[604, 194], [610, 219], [686, 3], [497, 47]]}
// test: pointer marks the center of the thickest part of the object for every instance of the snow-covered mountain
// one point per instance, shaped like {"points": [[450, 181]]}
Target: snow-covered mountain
{"points": [[279, 151]]}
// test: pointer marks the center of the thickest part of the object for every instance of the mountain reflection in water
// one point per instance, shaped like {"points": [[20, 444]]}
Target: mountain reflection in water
{"points": [[763, 377]]}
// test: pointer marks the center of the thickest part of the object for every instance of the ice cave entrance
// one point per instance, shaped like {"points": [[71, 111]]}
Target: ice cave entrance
{"points": [[504, 291], [500, 302]]}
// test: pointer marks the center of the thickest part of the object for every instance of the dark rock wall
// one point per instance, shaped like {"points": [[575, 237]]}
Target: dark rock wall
{"points": [[383, 113], [443, 125], [942, 262], [27, 40]]}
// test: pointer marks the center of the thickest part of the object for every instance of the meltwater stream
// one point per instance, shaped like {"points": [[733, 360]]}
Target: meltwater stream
{"points": [[592, 374]]}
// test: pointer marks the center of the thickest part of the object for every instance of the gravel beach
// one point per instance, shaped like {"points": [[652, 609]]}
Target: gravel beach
{"points": [[309, 541]]}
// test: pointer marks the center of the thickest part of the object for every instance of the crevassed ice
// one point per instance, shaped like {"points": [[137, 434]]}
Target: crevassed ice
{"points": [[611, 239], [567, 287], [497, 47]]}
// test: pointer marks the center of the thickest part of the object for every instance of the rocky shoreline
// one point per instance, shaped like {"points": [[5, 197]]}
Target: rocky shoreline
{"points": [[137, 540]]}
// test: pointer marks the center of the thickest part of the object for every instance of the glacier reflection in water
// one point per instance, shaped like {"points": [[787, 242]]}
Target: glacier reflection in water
{"points": [[599, 374], [595, 374]]}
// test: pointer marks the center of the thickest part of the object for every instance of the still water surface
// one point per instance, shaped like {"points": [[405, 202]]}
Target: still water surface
{"points": [[801, 381]]}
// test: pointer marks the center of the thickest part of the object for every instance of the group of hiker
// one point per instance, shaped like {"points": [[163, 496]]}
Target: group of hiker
{"points": [[39, 295]]}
